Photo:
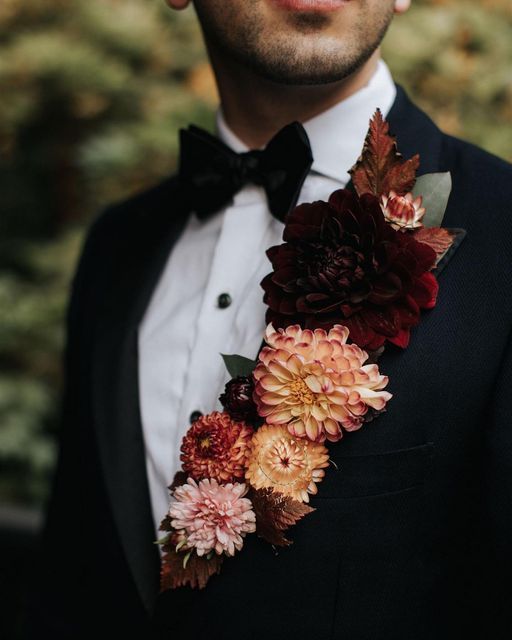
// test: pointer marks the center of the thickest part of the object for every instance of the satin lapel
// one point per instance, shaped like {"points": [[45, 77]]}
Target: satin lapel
{"points": [[415, 133], [140, 258], [405, 423]]}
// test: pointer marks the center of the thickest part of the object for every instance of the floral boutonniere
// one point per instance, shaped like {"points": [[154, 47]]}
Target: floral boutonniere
{"points": [[351, 277], [364, 259]]}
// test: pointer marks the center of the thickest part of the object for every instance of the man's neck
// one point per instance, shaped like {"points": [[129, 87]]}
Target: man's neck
{"points": [[255, 108]]}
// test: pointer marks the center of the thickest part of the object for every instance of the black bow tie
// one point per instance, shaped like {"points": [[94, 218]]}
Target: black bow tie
{"points": [[212, 172]]}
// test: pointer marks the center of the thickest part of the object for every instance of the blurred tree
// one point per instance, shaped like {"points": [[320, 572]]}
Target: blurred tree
{"points": [[455, 59], [93, 93]]}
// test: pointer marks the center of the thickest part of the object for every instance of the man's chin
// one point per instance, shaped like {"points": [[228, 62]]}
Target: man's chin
{"points": [[292, 66], [304, 77]]}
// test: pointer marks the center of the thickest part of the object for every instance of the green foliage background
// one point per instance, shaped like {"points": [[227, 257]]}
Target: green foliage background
{"points": [[92, 94]]}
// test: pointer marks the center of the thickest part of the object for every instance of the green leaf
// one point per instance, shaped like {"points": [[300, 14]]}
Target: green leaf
{"points": [[181, 544], [238, 365], [435, 189]]}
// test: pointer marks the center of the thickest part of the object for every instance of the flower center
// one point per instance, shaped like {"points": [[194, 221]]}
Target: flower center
{"points": [[340, 266], [300, 392], [284, 462], [204, 443], [402, 208]]}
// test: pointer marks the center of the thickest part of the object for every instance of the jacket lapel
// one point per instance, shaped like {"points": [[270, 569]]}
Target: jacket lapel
{"points": [[151, 230], [416, 133]]}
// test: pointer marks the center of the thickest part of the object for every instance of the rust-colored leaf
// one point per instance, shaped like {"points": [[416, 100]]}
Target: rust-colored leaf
{"points": [[438, 238], [196, 572], [381, 168], [275, 513]]}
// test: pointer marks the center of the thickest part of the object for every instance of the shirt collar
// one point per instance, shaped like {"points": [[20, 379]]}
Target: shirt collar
{"points": [[337, 134]]}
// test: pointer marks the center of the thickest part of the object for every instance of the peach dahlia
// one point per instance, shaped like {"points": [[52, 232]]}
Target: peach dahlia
{"points": [[316, 383]]}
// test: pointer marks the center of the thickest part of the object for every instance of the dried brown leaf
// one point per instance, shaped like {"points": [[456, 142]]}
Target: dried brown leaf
{"points": [[438, 238], [381, 168], [196, 573], [180, 479], [165, 525], [374, 355], [275, 513]]}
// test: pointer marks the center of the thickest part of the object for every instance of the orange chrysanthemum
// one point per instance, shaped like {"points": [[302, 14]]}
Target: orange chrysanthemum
{"points": [[285, 463], [315, 383], [216, 447]]}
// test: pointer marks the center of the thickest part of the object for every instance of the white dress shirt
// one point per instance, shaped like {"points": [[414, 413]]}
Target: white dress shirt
{"points": [[184, 329]]}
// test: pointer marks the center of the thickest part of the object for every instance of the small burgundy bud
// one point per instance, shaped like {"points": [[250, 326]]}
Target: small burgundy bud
{"points": [[237, 400]]}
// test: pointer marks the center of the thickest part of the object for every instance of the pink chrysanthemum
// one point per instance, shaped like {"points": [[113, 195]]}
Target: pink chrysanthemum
{"points": [[315, 383], [403, 212], [212, 517]]}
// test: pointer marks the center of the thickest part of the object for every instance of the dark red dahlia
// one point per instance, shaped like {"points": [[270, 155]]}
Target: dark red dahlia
{"points": [[341, 262], [237, 400]]}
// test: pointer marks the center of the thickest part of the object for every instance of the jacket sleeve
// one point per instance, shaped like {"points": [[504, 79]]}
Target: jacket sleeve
{"points": [[53, 603], [496, 584]]}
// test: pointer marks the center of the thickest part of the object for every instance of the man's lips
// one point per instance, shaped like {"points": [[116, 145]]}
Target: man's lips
{"points": [[310, 5]]}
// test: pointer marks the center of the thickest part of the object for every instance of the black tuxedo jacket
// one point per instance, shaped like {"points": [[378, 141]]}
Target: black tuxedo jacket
{"points": [[412, 536]]}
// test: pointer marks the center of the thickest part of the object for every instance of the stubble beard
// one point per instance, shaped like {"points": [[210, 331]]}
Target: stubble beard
{"points": [[305, 56]]}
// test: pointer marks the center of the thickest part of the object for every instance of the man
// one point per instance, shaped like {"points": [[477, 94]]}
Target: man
{"points": [[411, 536]]}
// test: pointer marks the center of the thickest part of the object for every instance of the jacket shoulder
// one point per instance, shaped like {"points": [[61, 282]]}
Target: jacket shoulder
{"points": [[479, 167], [482, 189], [472, 168], [119, 229], [126, 215]]}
